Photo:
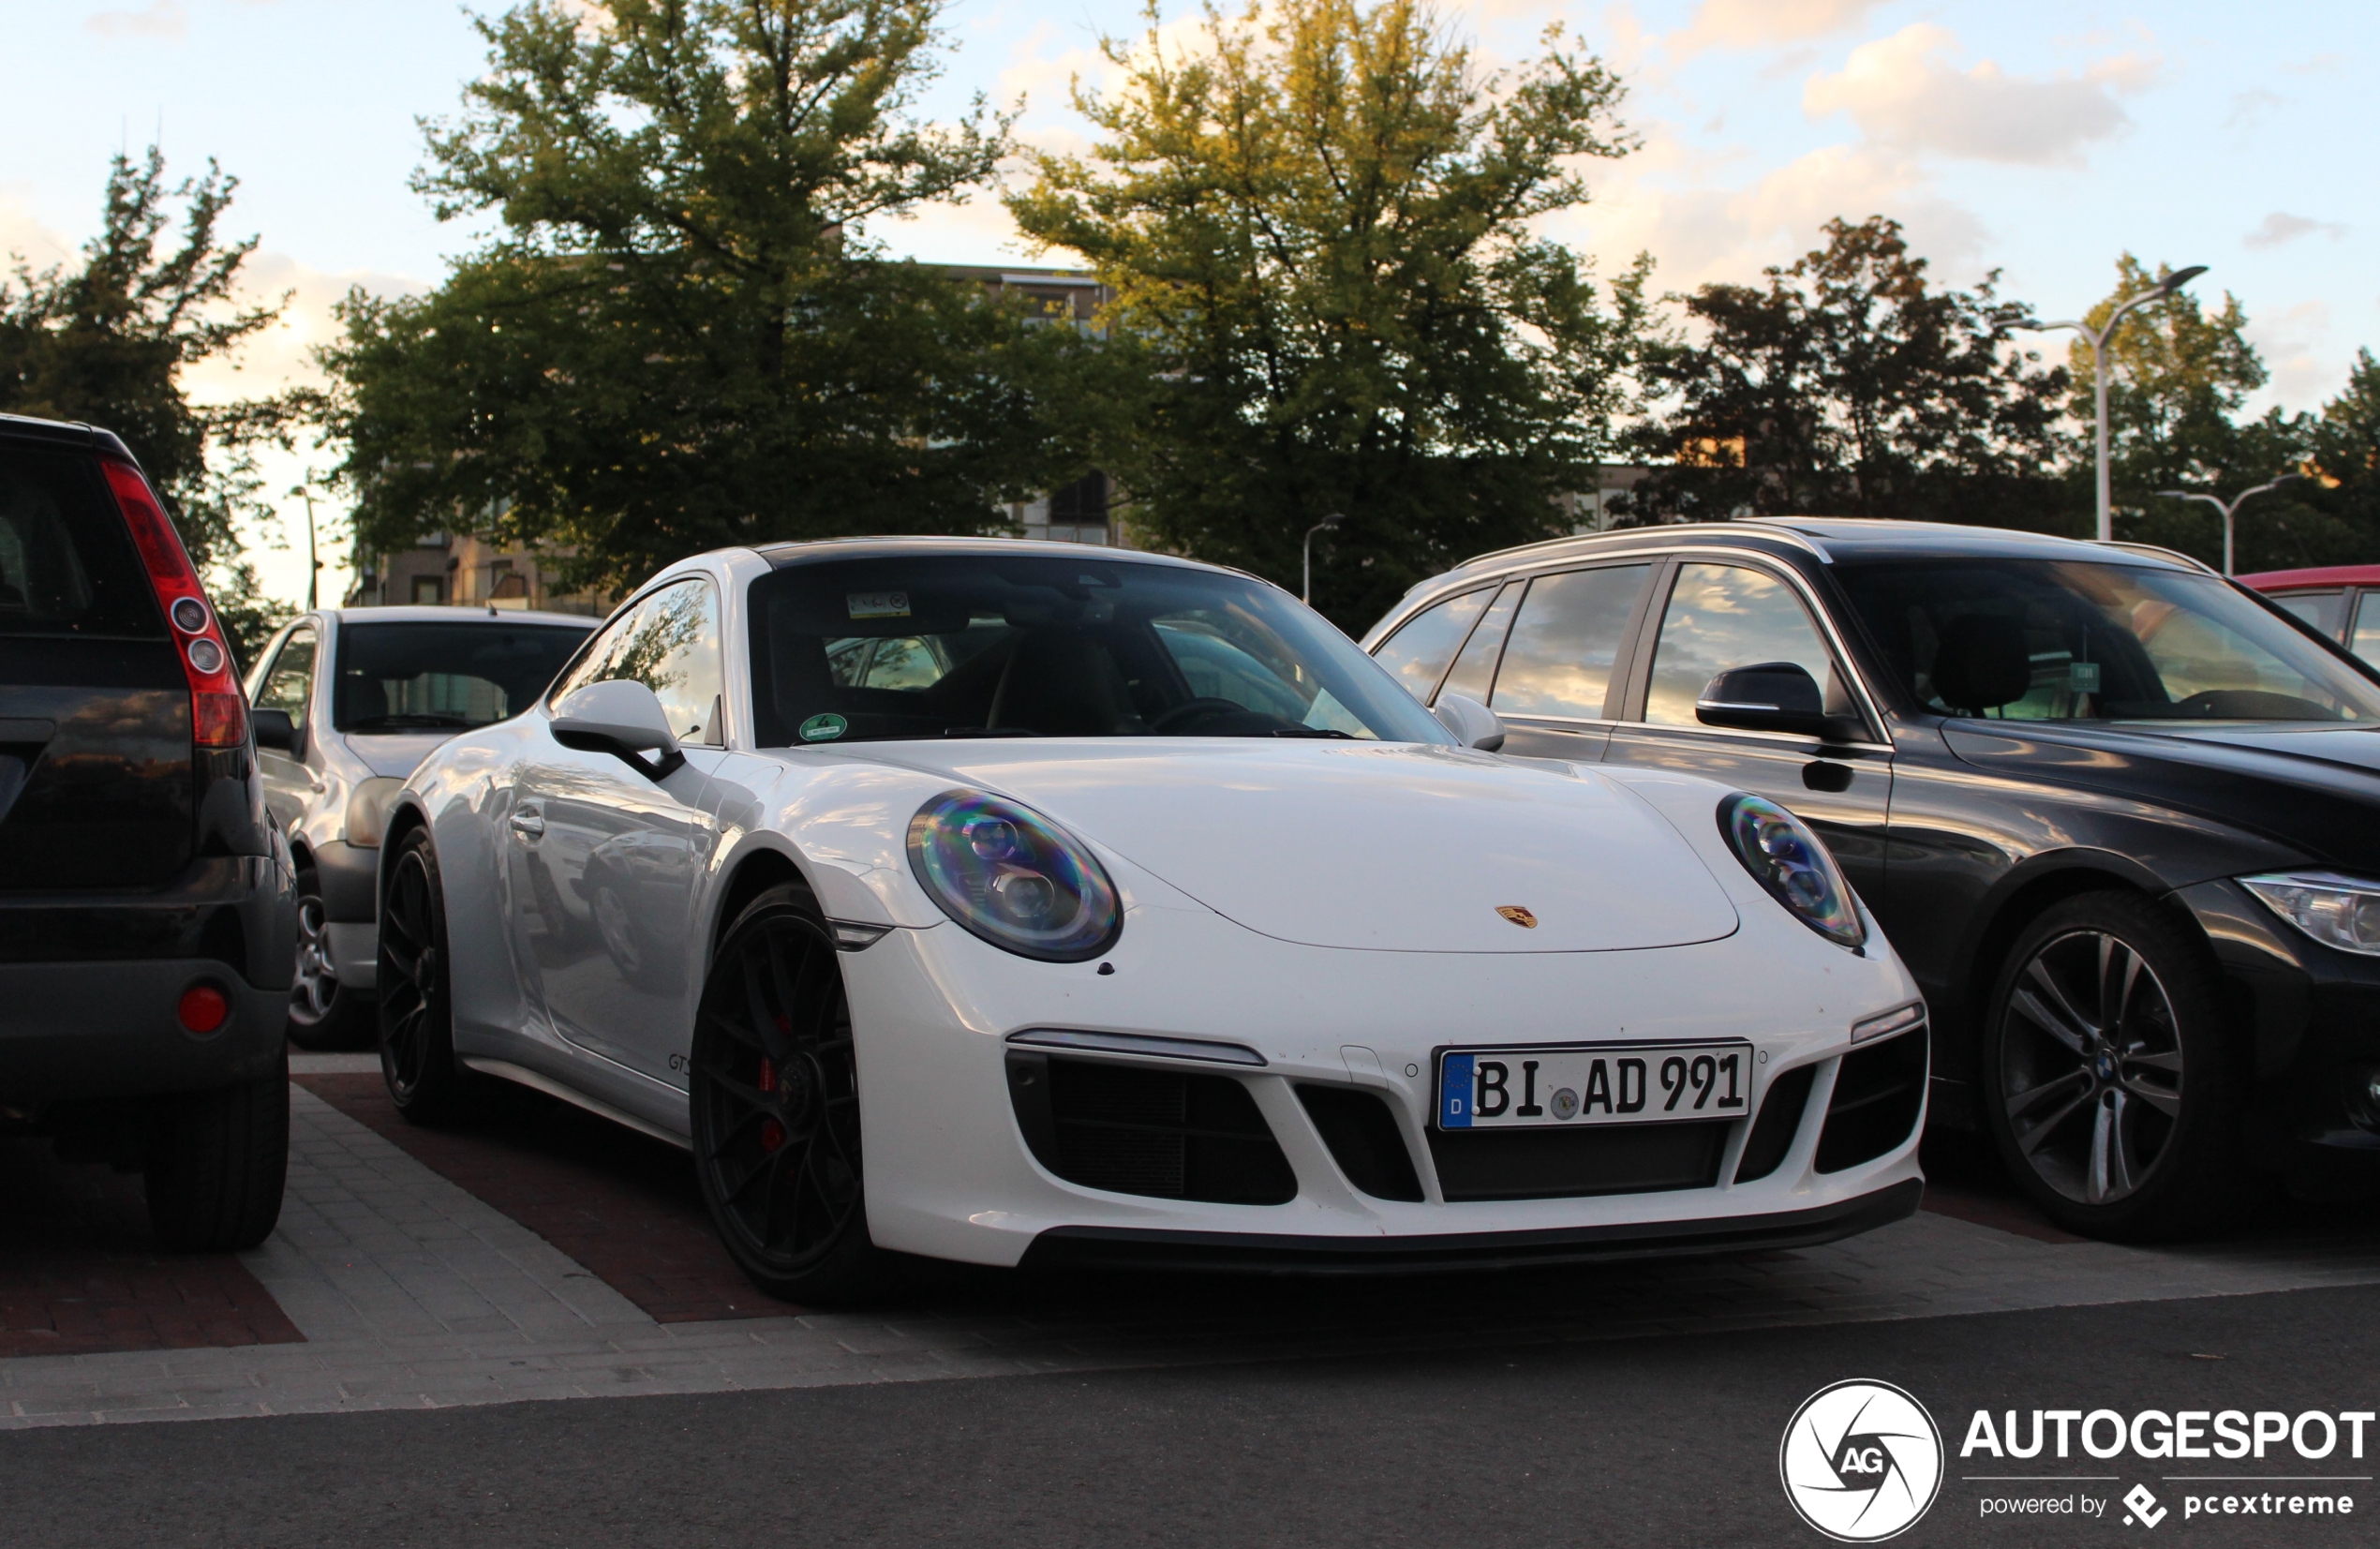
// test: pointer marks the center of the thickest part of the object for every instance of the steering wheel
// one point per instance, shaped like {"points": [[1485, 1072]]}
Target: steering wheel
{"points": [[1194, 709]]}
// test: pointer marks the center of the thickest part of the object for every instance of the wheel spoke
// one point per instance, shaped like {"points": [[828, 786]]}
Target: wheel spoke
{"points": [[2165, 1102], [2056, 1022], [2031, 1140], [2026, 1100]]}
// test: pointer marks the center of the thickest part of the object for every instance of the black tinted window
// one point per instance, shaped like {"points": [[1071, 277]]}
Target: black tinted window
{"points": [[1558, 661], [977, 645], [405, 678], [67, 564]]}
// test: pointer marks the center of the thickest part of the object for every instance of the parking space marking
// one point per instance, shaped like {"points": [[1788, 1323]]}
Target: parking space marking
{"points": [[412, 1294]]}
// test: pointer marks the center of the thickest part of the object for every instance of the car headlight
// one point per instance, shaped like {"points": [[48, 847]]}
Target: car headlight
{"points": [[367, 812], [1012, 877], [1793, 864], [2336, 911]]}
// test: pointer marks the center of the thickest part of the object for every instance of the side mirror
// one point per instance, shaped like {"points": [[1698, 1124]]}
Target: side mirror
{"points": [[276, 730], [1772, 696], [622, 717], [1473, 723]]}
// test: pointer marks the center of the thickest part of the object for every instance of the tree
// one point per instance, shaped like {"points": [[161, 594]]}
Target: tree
{"points": [[107, 344], [1319, 227], [682, 338], [1851, 385]]}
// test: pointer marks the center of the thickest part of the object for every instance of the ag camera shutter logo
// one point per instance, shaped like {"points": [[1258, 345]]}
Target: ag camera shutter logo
{"points": [[1861, 1461]]}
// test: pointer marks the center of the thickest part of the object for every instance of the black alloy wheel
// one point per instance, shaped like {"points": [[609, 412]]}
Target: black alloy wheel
{"points": [[2111, 1090], [324, 1013], [417, 1022], [773, 1095]]}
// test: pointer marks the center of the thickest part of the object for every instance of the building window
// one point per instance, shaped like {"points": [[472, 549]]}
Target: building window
{"points": [[429, 590]]}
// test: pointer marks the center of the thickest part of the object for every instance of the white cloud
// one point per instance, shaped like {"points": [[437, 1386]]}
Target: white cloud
{"points": [[2281, 227], [2296, 344], [158, 19], [1763, 23], [1902, 93]]}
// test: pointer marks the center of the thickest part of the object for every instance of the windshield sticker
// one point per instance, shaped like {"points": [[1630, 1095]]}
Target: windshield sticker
{"points": [[824, 728], [2083, 677], [877, 604]]}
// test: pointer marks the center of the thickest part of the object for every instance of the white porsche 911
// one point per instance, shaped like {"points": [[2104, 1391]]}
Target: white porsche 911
{"points": [[1009, 902]]}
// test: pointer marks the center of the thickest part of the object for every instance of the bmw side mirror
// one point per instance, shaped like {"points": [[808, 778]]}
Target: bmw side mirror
{"points": [[1473, 723], [1772, 696], [276, 730], [621, 718]]}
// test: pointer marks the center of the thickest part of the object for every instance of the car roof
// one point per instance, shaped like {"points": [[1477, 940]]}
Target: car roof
{"points": [[2321, 575], [1826, 539], [454, 614], [783, 555], [22, 428]]}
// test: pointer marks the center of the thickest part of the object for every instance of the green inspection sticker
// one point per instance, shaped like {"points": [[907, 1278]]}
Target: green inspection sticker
{"points": [[824, 728]]}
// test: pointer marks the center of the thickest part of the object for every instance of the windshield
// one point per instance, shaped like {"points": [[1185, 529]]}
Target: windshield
{"points": [[1031, 646], [2063, 640], [412, 677]]}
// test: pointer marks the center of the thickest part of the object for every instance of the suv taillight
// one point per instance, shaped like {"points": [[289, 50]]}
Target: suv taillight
{"points": [[219, 711]]}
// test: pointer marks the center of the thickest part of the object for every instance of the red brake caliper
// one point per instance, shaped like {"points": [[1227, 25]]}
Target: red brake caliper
{"points": [[772, 1134]]}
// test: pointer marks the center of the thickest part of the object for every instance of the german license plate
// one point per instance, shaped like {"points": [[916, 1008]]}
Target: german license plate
{"points": [[1558, 1084]]}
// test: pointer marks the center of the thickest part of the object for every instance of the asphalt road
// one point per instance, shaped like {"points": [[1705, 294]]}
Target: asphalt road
{"points": [[1660, 1441]]}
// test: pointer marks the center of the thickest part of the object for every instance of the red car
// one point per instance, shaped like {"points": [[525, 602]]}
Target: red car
{"points": [[2340, 600]]}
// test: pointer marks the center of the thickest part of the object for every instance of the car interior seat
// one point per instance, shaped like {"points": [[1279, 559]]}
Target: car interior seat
{"points": [[1061, 682], [1981, 663]]}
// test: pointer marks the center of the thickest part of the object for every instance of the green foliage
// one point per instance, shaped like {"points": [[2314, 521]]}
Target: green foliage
{"points": [[681, 339], [1318, 225], [106, 344], [1849, 386]]}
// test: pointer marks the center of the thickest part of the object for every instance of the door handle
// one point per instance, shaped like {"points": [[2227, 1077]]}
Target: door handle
{"points": [[529, 820]]}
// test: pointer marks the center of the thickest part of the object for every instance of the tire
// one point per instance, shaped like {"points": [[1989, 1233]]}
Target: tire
{"points": [[216, 1165], [324, 1014], [416, 1015], [774, 1097], [2112, 1086]]}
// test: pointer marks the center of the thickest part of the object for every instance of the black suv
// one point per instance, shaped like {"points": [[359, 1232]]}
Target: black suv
{"points": [[148, 922], [2119, 816]]}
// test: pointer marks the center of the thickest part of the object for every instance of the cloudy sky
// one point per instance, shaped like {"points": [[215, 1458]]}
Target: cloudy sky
{"points": [[2036, 138]]}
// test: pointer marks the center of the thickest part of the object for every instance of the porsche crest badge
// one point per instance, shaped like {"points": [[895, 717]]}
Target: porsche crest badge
{"points": [[1518, 915]]}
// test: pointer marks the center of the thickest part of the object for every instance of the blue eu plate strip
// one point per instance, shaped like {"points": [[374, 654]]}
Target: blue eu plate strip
{"points": [[1454, 1092]]}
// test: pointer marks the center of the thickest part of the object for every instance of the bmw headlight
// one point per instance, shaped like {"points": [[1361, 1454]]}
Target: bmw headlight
{"points": [[2336, 911], [1012, 877], [1793, 864]]}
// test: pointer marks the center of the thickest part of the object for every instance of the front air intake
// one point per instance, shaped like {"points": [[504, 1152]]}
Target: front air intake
{"points": [[1879, 1093], [1364, 1139], [1138, 1129], [1781, 1120]]}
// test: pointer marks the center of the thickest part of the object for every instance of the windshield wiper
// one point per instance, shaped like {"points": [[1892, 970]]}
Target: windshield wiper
{"points": [[1312, 731], [989, 731], [416, 718]]}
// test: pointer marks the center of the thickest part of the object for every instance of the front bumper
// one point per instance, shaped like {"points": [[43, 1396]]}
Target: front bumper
{"points": [[951, 1173], [349, 877], [2312, 1015], [1127, 1247]]}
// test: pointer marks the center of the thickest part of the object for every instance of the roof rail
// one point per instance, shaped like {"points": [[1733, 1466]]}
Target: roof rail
{"points": [[2164, 553], [1770, 527]]}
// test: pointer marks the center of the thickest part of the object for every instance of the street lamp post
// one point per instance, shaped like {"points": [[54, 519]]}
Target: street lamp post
{"points": [[2098, 339], [2227, 508], [313, 565], [1336, 518]]}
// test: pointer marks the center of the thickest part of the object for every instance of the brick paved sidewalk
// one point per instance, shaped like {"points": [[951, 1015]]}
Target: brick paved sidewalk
{"points": [[412, 1293]]}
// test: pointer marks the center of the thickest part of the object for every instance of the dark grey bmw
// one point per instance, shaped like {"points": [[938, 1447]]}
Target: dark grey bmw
{"points": [[2119, 816], [147, 922]]}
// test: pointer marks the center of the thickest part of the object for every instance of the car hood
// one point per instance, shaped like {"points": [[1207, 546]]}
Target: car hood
{"points": [[393, 754], [2309, 786], [1393, 847]]}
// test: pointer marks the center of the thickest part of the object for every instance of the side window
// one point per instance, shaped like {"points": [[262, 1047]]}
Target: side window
{"points": [[1564, 639], [2365, 641], [668, 641], [289, 682], [2324, 610], [1474, 671], [1423, 647], [1721, 616]]}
